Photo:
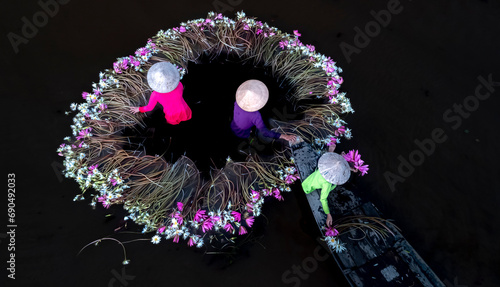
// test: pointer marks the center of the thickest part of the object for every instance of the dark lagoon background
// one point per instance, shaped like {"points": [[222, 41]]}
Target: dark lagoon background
{"points": [[404, 84]]}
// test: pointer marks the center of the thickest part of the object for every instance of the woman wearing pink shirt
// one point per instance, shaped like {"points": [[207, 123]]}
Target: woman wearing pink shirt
{"points": [[163, 78]]}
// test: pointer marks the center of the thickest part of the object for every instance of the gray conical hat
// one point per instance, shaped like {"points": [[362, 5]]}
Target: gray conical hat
{"points": [[252, 95], [334, 168], [163, 77]]}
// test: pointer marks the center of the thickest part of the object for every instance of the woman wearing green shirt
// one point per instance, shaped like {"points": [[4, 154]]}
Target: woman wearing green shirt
{"points": [[332, 170]]}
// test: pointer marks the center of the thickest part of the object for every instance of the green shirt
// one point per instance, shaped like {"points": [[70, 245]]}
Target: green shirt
{"points": [[317, 181]]}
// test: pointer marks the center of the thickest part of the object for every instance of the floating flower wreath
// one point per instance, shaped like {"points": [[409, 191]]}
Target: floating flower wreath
{"points": [[170, 198]]}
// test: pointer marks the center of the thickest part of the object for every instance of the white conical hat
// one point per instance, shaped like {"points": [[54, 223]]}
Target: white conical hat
{"points": [[334, 168], [163, 77], [252, 95]]}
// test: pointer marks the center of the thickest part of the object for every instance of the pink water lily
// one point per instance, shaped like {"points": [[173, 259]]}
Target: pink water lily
{"points": [[311, 48], [215, 218], [84, 95], [249, 221], [142, 51], [192, 241], [249, 207], [103, 106], [352, 156], [242, 230], [180, 205], [283, 44], [333, 141], [113, 181], [277, 194], [296, 33], [200, 215], [92, 168], [83, 133], [255, 196], [179, 217], [134, 62], [291, 178], [340, 131], [330, 231], [176, 238], [117, 67], [102, 199], [161, 229], [229, 227], [362, 168], [207, 225], [333, 91], [236, 215]]}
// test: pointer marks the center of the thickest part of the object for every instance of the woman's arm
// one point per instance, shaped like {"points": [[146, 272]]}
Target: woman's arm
{"points": [[150, 106], [324, 202], [259, 123]]}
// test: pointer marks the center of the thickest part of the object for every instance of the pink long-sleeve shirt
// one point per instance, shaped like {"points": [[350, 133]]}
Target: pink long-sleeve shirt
{"points": [[174, 106]]}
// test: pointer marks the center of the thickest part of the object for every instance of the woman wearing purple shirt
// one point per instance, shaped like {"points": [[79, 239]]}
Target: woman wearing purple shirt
{"points": [[251, 96]]}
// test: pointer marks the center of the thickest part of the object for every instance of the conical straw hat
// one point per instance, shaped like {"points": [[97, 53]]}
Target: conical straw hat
{"points": [[163, 77], [334, 168], [252, 95]]}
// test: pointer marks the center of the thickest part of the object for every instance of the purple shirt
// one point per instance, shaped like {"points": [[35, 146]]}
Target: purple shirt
{"points": [[243, 122]]}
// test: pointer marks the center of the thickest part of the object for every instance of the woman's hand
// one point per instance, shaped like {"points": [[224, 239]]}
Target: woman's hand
{"points": [[290, 138], [134, 110], [332, 147], [329, 220]]}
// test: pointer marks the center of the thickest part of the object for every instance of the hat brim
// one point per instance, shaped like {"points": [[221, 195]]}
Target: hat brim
{"points": [[163, 77], [252, 95], [334, 168]]}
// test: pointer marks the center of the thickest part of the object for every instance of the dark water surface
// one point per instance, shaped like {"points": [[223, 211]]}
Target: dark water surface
{"points": [[405, 83]]}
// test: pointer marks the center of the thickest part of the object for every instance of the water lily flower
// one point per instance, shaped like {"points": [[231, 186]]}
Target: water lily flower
{"points": [[236, 215], [176, 238], [207, 225], [363, 169], [192, 241], [242, 230], [116, 67], [340, 131], [180, 205], [267, 192], [113, 181], [249, 207], [249, 221], [352, 156], [283, 44], [182, 29], [330, 231], [200, 215], [179, 218], [229, 227], [296, 33], [84, 95], [161, 229], [277, 194], [291, 178], [335, 244], [255, 195], [156, 239], [199, 244]]}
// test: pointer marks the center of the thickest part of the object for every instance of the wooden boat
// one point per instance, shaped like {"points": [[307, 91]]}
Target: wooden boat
{"points": [[369, 260]]}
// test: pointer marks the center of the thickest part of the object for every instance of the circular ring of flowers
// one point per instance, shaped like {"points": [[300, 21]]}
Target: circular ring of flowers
{"points": [[170, 198]]}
